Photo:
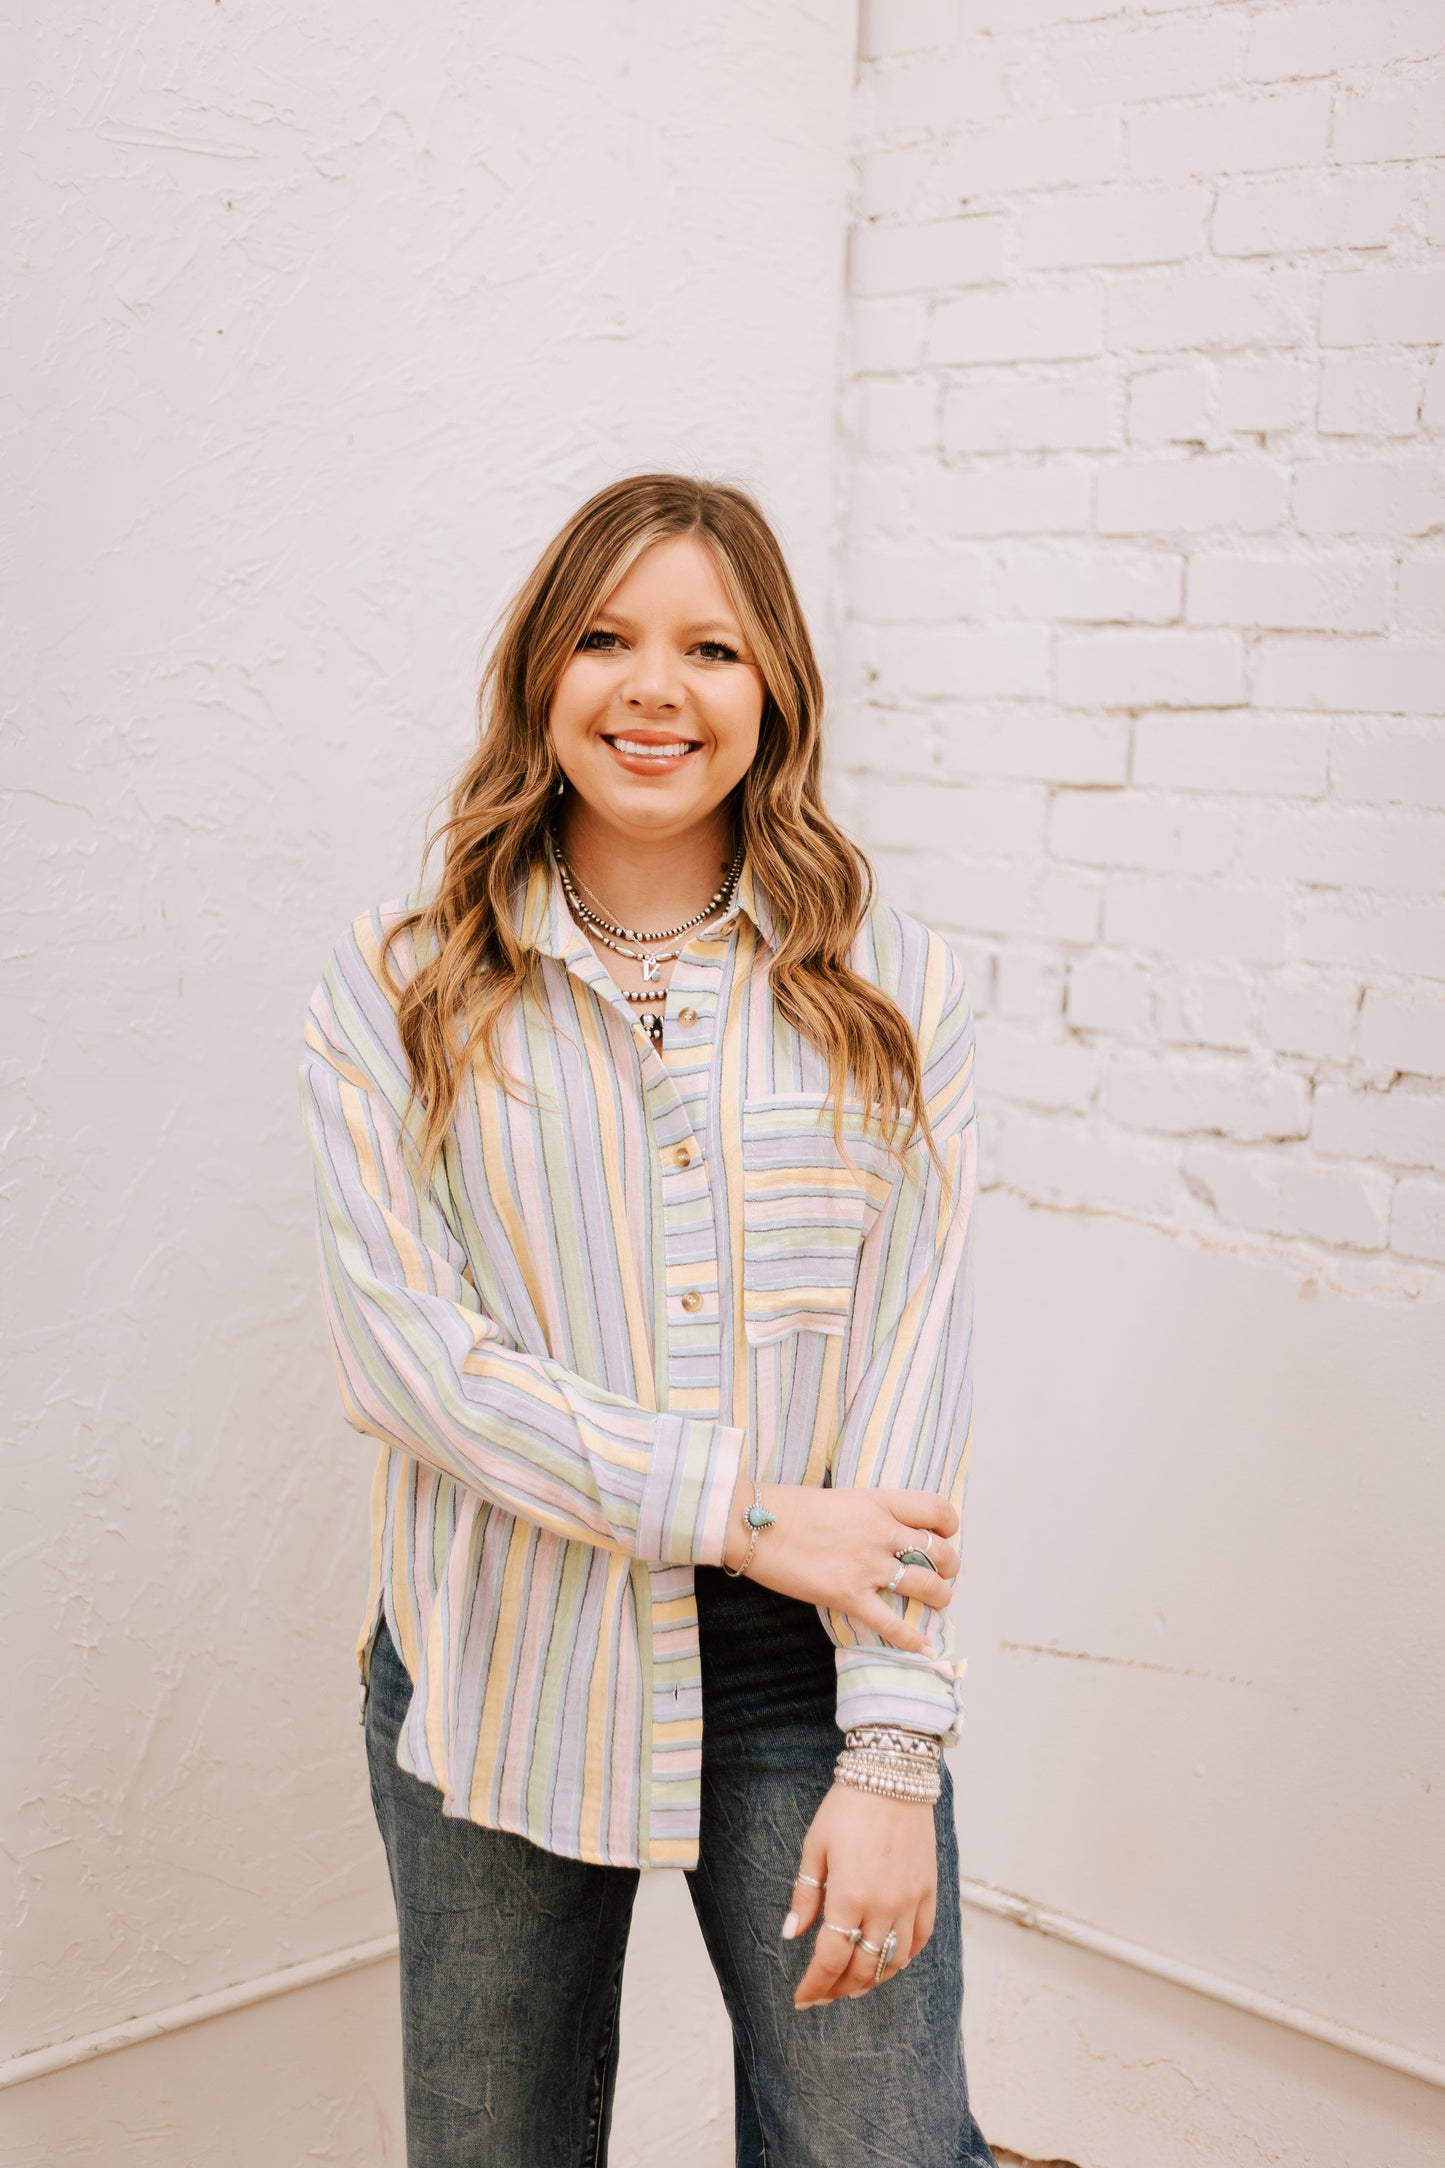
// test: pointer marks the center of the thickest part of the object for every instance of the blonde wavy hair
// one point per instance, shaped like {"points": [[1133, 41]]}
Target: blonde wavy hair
{"points": [[819, 884]]}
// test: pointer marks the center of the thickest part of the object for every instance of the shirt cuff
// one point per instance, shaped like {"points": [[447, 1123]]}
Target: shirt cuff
{"points": [[689, 1491], [919, 1692]]}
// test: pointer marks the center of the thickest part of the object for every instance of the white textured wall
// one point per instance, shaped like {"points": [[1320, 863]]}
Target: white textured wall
{"points": [[323, 323], [1147, 583], [321, 319], [1146, 608]]}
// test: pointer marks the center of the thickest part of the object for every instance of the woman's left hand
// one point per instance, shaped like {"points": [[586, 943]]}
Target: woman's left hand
{"points": [[879, 1861]]}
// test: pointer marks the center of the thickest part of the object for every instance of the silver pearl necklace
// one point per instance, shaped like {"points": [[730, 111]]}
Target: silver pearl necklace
{"points": [[606, 929], [651, 964], [572, 881]]}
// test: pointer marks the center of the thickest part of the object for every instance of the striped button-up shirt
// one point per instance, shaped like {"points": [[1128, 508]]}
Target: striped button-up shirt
{"points": [[648, 1272]]}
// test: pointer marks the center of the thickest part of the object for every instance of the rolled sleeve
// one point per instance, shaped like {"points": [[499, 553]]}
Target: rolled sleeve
{"points": [[909, 1401], [423, 1367]]}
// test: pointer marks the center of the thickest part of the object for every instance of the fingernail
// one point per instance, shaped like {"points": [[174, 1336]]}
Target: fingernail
{"points": [[790, 1926], [855, 1992]]}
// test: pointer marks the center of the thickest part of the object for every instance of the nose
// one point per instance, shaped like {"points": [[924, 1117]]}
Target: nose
{"points": [[654, 684]]}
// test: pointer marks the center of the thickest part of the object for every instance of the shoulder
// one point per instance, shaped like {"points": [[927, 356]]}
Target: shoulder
{"points": [[380, 945], [351, 1018], [917, 969], [924, 976]]}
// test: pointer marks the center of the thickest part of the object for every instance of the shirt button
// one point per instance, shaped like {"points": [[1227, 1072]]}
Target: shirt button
{"points": [[692, 1300], [683, 1156], [687, 1016]]}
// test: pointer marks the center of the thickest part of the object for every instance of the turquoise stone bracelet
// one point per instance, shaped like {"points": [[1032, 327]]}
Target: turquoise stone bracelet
{"points": [[757, 1518]]}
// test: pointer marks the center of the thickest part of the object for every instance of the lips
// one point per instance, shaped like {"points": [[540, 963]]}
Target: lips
{"points": [[659, 752]]}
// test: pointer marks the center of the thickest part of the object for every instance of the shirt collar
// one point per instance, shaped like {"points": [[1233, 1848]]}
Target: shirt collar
{"points": [[754, 899], [544, 922]]}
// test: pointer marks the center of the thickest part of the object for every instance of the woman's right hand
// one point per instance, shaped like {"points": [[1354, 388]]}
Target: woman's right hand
{"points": [[838, 1548]]}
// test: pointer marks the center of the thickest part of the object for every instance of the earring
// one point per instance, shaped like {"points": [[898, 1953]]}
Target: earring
{"points": [[561, 786]]}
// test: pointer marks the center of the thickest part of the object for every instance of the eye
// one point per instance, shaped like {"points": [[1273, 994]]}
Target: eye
{"points": [[597, 642], [717, 651]]}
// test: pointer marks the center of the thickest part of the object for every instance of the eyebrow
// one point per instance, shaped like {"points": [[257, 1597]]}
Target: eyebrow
{"points": [[704, 627]]}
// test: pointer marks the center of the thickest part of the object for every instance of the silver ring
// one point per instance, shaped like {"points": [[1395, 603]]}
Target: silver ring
{"points": [[810, 1881], [885, 1956], [874, 1949], [854, 1934], [912, 1556], [892, 1586]]}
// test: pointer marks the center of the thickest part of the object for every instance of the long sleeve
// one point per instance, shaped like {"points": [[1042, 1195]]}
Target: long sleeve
{"points": [[421, 1364], [909, 1393]]}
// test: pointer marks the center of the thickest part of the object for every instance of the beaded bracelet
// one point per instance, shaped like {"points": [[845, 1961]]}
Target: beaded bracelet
{"points": [[875, 1788], [909, 1766], [893, 1761], [922, 1775], [910, 1785]]}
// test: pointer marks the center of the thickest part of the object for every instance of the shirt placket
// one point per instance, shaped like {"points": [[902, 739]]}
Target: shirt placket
{"points": [[678, 1086], [678, 1080]]}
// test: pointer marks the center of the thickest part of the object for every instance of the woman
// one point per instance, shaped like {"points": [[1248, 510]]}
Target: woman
{"points": [[645, 1163]]}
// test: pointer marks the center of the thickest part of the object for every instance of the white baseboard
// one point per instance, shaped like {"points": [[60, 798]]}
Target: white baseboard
{"points": [[131, 2032]]}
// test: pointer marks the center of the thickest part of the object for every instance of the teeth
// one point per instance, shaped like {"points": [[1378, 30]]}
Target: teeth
{"points": [[651, 752]]}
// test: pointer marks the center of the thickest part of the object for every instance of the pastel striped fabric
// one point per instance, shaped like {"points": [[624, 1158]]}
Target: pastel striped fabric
{"points": [[646, 1273]]}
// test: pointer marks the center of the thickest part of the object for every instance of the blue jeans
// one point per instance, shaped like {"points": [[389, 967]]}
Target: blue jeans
{"points": [[511, 1957]]}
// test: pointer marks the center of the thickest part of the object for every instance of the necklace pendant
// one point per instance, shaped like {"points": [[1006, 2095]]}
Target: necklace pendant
{"points": [[651, 969]]}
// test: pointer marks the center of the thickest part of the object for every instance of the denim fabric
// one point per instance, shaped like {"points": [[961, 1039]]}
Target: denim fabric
{"points": [[511, 1957]]}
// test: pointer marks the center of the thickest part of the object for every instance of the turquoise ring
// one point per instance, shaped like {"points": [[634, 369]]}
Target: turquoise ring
{"points": [[914, 1557]]}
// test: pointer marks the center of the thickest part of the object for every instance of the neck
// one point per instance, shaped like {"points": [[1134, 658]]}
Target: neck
{"points": [[646, 880]]}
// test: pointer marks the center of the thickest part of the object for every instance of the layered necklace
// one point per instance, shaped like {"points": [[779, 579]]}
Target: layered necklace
{"points": [[622, 939]]}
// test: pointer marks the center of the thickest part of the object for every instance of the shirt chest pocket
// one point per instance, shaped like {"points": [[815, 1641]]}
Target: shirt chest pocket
{"points": [[806, 1212]]}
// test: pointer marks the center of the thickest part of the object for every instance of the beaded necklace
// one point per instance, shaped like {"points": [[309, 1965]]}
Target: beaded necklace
{"points": [[605, 928], [572, 880]]}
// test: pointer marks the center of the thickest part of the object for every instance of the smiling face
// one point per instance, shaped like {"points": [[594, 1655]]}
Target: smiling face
{"points": [[656, 716]]}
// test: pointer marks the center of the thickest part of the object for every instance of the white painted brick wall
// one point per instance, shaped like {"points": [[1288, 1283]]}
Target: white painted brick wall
{"points": [[1145, 592]]}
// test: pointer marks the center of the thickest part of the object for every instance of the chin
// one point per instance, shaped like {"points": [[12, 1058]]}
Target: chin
{"points": [[650, 808], [642, 799]]}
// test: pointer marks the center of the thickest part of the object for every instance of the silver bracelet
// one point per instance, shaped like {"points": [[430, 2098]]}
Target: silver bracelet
{"points": [[916, 1790], [757, 1518], [891, 1768], [908, 1765], [877, 1788], [887, 1769], [894, 1739]]}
